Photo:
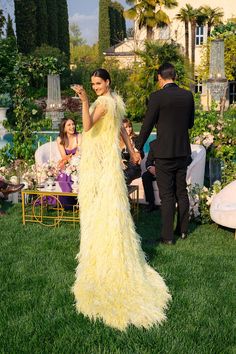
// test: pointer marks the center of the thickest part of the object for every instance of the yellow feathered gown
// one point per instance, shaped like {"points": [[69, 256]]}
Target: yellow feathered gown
{"points": [[113, 280]]}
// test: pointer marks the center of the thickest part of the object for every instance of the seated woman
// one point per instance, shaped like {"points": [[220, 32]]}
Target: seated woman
{"points": [[68, 142], [131, 170]]}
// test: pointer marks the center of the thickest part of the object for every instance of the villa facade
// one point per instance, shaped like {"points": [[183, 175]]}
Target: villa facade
{"points": [[124, 52]]}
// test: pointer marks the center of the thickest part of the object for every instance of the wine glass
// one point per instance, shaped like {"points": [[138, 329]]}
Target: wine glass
{"points": [[75, 94]]}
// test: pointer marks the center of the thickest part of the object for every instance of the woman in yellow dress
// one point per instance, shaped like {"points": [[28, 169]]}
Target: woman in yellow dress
{"points": [[113, 280]]}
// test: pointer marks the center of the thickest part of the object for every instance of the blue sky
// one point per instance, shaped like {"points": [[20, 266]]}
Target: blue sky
{"points": [[85, 14], [82, 12]]}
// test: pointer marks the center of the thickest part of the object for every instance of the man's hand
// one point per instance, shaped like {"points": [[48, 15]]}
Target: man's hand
{"points": [[152, 170]]}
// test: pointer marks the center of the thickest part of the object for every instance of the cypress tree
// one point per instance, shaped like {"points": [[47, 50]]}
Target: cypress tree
{"points": [[9, 30], [104, 26], [25, 18], [113, 25], [117, 23], [63, 27], [2, 22], [52, 23], [42, 22]]}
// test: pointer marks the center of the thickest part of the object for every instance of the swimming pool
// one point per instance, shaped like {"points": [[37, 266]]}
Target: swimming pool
{"points": [[45, 135]]}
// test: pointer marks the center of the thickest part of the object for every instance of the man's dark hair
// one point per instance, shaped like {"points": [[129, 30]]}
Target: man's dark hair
{"points": [[167, 71]]}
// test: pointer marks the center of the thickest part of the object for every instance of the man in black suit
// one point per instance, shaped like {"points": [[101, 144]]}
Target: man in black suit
{"points": [[171, 109]]}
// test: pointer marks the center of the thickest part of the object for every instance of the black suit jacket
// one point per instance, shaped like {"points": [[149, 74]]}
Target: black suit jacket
{"points": [[172, 111]]}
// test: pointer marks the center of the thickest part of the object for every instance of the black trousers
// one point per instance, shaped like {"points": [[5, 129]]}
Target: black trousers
{"points": [[171, 181], [147, 179]]}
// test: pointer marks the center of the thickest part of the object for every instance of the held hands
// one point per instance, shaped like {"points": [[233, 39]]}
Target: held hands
{"points": [[80, 91], [136, 158]]}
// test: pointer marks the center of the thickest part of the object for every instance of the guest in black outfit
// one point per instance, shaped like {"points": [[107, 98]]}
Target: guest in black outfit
{"points": [[149, 176], [171, 109], [131, 170]]}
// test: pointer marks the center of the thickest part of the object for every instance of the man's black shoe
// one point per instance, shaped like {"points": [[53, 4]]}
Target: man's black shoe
{"points": [[167, 242], [183, 236]]}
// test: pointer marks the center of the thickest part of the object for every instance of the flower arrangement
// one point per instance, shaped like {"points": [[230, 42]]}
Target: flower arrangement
{"points": [[72, 166], [200, 200], [29, 177], [215, 133], [46, 170]]}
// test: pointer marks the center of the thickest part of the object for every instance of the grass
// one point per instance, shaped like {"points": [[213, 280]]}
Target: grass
{"points": [[37, 312]]}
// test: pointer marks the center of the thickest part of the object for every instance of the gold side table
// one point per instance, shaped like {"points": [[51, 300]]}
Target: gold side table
{"points": [[44, 207]]}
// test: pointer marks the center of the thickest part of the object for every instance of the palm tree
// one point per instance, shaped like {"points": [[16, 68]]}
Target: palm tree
{"points": [[149, 13], [213, 17], [183, 16]]}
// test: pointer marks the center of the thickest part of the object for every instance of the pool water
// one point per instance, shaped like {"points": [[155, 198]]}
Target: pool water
{"points": [[44, 137]]}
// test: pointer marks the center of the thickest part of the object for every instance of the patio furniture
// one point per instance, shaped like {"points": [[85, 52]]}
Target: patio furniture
{"points": [[223, 207], [195, 173], [42, 154]]}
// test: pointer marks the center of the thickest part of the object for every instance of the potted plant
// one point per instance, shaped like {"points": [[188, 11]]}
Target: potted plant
{"points": [[5, 102]]}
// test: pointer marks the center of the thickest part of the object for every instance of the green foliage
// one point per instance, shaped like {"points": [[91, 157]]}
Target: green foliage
{"points": [[104, 26], [200, 200], [5, 100], [84, 54], [25, 18], [63, 28], [149, 14], [117, 23], [52, 23], [217, 135], [2, 22], [75, 35], [119, 78], [142, 80], [42, 22], [9, 30], [224, 30], [8, 55], [45, 51], [26, 117]]}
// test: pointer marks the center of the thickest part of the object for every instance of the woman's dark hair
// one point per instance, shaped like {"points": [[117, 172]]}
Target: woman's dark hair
{"points": [[62, 134], [167, 71], [103, 74]]}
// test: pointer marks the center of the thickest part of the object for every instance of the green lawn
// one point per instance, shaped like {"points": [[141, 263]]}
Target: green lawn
{"points": [[37, 311]]}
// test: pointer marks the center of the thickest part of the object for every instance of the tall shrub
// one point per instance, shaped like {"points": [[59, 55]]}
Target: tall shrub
{"points": [[25, 18], [52, 23], [41, 22], [117, 23], [104, 26], [9, 28], [63, 27]]}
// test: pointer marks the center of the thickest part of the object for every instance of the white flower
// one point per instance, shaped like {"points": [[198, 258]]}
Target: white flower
{"points": [[14, 179]]}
